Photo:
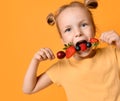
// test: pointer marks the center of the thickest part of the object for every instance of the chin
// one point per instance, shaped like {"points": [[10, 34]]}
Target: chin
{"points": [[85, 54]]}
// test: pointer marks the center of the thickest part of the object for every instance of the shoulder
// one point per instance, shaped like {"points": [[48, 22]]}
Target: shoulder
{"points": [[109, 52], [55, 72], [57, 66]]}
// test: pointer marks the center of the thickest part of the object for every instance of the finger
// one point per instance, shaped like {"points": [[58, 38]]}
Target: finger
{"points": [[38, 57], [49, 53], [113, 39], [105, 37], [42, 54], [102, 37], [109, 37]]}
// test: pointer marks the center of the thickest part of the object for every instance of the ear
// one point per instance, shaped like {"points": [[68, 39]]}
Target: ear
{"points": [[92, 4]]}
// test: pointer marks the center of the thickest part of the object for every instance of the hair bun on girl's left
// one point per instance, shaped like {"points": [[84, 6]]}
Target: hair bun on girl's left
{"points": [[51, 19], [92, 4]]}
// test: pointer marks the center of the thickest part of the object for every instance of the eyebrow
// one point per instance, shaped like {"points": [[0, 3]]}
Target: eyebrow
{"points": [[84, 20], [67, 26]]}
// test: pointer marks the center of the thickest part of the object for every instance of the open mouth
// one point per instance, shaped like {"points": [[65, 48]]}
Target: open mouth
{"points": [[80, 42]]}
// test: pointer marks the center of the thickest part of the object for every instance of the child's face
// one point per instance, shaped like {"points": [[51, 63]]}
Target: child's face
{"points": [[75, 25]]}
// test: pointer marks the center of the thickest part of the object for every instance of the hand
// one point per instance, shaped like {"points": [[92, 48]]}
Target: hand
{"points": [[111, 37], [44, 54]]}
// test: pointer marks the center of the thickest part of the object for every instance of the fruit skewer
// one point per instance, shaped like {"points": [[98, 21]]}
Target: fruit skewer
{"points": [[70, 49]]}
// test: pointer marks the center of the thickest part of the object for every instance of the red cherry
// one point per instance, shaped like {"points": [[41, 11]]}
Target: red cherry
{"points": [[61, 54]]}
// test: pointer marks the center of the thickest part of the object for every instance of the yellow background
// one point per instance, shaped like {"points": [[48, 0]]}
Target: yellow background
{"points": [[24, 30]]}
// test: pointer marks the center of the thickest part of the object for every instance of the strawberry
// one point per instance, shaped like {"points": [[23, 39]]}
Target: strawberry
{"points": [[83, 46], [70, 51], [93, 40]]}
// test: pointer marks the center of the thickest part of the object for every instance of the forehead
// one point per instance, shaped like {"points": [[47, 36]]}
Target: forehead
{"points": [[73, 12]]}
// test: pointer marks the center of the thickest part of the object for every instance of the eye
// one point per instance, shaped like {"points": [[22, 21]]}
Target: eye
{"points": [[68, 30], [84, 25]]}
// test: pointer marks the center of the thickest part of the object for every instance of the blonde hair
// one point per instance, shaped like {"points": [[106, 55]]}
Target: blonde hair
{"points": [[51, 18]]}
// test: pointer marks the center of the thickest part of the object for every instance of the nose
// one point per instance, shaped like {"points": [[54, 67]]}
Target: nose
{"points": [[78, 34], [77, 31]]}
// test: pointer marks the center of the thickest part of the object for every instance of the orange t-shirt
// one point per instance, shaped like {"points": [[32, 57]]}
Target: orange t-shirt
{"points": [[91, 79]]}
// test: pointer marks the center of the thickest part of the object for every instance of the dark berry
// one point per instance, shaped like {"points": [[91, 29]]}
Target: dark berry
{"points": [[61, 54], [89, 44], [77, 48]]}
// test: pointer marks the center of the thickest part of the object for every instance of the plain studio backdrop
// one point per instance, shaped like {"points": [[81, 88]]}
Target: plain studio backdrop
{"points": [[24, 31]]}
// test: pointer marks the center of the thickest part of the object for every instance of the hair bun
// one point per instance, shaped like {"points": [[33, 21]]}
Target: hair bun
{"points": [[92, 4], [51, 19]]}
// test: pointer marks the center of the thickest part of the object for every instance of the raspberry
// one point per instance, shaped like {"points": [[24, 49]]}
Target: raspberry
{"points": [[83, 46]]}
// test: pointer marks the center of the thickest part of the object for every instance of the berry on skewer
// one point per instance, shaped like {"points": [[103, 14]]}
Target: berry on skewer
{"points": [[94, 42], [61, 54], [70, 49]]}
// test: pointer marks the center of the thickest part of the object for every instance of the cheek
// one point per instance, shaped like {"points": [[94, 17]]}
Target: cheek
{"points": [[67, 38], [91, 32]]}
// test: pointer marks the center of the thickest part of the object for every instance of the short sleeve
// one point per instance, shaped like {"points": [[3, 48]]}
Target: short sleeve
{"points": [[54, 73]]}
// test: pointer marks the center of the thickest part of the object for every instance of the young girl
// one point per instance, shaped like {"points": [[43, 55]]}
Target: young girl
{"points": [[90, 75]]}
